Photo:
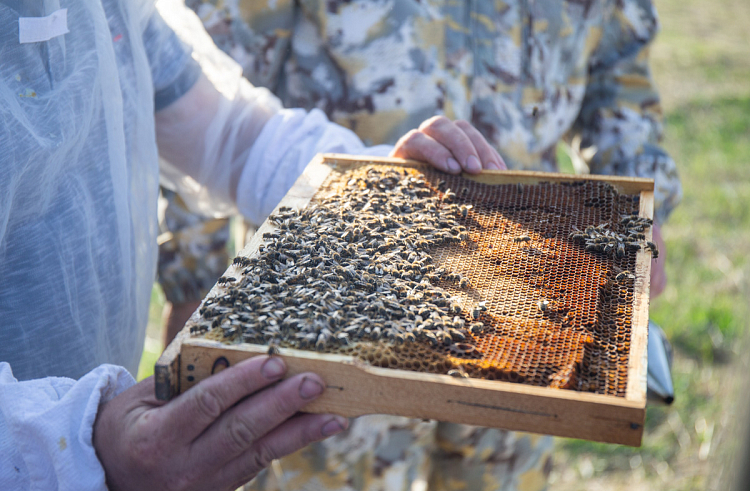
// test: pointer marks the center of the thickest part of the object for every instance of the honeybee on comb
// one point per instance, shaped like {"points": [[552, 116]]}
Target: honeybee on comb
{"points": [[384, 266]]}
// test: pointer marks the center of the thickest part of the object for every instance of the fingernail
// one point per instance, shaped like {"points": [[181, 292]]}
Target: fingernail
{"points": [[273, 367], [336, 425], [453, 165], [310, 388], [472, 164]]}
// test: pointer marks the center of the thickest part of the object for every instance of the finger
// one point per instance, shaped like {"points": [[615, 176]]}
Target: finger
{"points": [[243, 425], [296, 433], [445, 132], [192, 412], [418, 146], [488, 156]]}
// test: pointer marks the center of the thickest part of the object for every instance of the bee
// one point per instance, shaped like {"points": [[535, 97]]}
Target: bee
{"points": [[444, 337], [543, 305], [322, 342], [197, 329], [456, 335], [458, 373], [522, 238], [376, 333], [632, 246], [464, 283], [241, 261], [620, 249], [534, 112], [654, 250], [223, 280], [273, 350], [476, 327], [465, 210], [449, 196], [624, 275], [577, 233], [464, 191], [431, 338]]}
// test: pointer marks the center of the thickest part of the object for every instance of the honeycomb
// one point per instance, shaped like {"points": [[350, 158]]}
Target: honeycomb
{"points": [[413, 269]]}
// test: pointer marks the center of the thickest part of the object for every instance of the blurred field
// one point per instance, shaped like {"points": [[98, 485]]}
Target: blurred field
{"points": [[701, 63]]}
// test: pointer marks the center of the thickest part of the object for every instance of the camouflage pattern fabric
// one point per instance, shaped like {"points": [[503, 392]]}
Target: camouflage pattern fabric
{"points": [[527, 74], [380, 453], [192, 250]]}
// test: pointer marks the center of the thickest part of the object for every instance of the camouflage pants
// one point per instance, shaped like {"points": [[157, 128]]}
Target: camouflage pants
{"points": [[192, 250], [380, 453]]}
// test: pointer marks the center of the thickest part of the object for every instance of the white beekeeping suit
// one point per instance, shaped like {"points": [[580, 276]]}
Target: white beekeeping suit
{"points": [[79, 178]]}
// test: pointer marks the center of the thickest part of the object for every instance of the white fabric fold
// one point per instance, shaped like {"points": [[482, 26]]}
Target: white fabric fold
{"points": [[46, 429]]}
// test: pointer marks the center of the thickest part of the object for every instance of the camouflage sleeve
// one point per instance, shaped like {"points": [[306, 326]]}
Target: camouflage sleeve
{"points": [[192, 250], [257, 35], [621, 117]]}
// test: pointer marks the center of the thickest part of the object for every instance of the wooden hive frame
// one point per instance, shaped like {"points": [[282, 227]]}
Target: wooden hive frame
{"points": [[355, 388]]}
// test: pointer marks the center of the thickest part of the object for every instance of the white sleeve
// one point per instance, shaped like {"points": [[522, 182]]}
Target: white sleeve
{"points": [[46, 428], [228, 145], [243, 150]]}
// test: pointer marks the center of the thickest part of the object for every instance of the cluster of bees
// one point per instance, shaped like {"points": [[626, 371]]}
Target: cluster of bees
{"points": [[350, 268], [615, 243]]}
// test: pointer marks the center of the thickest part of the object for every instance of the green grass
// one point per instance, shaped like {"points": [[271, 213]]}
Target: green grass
{"points": [[153, 346], [708, 237]]}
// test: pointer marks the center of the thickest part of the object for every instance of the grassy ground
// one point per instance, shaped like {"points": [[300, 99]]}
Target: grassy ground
{"points": [[701, 63]]}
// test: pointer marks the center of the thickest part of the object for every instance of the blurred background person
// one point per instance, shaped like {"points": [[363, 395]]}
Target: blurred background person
{"points": [[527, 76]]}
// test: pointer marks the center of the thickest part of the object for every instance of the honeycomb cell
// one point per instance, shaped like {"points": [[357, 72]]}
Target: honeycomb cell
{"points": [[398, 266]]}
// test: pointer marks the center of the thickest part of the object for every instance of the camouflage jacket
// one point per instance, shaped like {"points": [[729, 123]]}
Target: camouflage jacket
{"points": [[526, 73], [192, 250]]}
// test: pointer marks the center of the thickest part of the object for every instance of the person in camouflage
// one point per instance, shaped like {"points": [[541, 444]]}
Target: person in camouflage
{"points": [[192, 256], [527, 74]]}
